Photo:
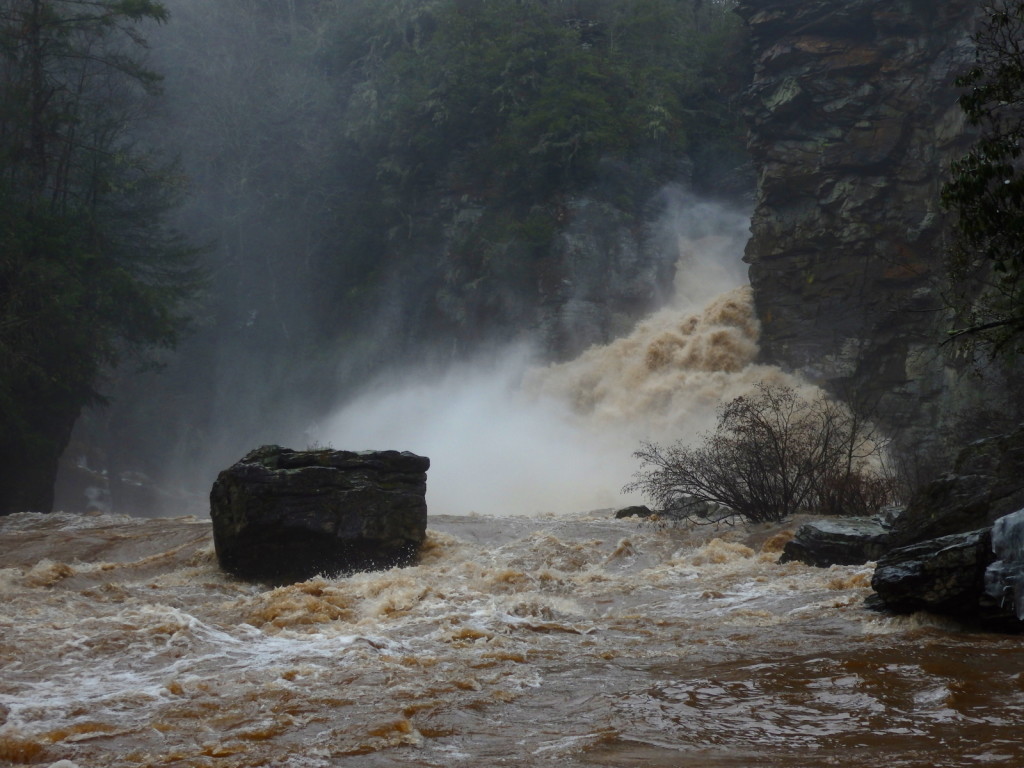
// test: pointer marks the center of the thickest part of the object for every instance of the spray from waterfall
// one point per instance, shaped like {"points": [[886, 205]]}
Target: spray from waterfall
{"points": [[507, 436]]}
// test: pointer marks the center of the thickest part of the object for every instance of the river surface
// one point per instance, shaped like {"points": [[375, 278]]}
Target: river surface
{"points": [[572, 641]]}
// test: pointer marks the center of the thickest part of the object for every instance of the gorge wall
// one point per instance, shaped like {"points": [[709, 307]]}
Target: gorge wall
{"points": [[853, 121]]}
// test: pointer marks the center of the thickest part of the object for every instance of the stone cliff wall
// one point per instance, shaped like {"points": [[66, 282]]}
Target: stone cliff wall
{"points": [[853, 120]]}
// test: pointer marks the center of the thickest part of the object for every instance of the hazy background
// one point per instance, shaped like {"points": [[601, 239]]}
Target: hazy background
{"points": [[507, 434], [368, 292]]}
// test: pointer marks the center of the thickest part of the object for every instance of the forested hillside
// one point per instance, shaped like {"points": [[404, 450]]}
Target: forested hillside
{"points": [[381, 183], [91, 272], [421, 155]]}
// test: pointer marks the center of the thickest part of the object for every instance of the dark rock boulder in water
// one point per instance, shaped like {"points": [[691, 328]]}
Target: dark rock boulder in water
{"points": [[843, 541], [636, 511], [281, 515], [943, 575], [960, 541]]}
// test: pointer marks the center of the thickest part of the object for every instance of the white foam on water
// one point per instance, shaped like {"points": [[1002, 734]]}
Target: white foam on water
{"points": [[617, 631], [508, 437], [115, 666]]}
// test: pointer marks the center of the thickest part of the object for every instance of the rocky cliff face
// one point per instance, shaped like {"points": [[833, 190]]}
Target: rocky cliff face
{"points": [[596, 268], [853, 120]]}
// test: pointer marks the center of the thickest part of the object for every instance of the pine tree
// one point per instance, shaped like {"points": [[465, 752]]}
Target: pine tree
{"points": [[986, 190], [89, 270]]}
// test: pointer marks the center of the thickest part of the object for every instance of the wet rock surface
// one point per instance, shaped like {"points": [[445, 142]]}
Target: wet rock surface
{"points": [[957, 546], [281, 515], [853, 120], [986, 483], [1004, 579], [944, 575], [639, 510], [842, 541]]}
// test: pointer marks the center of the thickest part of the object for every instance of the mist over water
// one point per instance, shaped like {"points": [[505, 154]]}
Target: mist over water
{"points": [[494, 448], [508, 436]]}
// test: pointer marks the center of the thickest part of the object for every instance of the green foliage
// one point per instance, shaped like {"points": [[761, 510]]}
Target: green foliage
{"points": [[511, 107], [987, 189], [532, 94], [89, 271]]}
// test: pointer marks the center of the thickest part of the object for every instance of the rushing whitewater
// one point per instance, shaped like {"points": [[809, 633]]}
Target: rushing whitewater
{"points": [[520, 638], [509, 437], [577, 641]]}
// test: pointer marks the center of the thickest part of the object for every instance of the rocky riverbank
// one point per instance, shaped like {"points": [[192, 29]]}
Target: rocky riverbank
{"points": [[955, 549]]}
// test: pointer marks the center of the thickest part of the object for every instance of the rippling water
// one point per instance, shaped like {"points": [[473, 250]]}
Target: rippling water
{"points": [[577, 641]]}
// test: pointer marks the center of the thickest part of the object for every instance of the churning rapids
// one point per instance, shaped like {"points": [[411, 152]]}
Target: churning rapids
{"points": [[571, 639], [579, 641]]}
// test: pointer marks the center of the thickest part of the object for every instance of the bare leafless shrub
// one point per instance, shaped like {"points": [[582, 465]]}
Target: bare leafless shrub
{"points": [[773, 454]]}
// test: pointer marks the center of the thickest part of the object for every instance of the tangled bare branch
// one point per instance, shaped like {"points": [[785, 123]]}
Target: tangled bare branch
{"points": [[773, 454]]}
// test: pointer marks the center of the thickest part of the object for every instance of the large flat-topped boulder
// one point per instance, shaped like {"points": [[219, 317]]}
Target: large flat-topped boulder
{"points": [[281, 515]]}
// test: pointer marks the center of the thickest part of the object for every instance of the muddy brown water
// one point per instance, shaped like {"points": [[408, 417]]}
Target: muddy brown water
{"points": [[579, 641]]}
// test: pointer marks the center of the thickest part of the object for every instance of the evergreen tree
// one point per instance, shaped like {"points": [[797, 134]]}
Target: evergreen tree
{"points": [[89, 270], [514, 107], [987, 189]]}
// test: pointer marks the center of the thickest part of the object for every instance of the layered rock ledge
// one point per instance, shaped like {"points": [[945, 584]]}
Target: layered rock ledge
{"points": [[956, 549], [958, 546], [853, 119], [842, 541]]}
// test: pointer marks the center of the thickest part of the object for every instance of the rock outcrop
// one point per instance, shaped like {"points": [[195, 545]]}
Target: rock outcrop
{"points": [[639, 510], [943, 575], [281, 515], [853, 120], [1004, 578], [842, 541], [986, 483], [600, 271], [957, 549]]}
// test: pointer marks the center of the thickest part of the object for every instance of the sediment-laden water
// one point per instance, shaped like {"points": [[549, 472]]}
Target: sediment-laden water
{"points": [[568, 639], [579, 641]]}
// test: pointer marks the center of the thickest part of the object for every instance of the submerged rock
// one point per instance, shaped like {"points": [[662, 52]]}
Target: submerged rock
{"points": [[281, 515], [636, 511], [842, 541]]}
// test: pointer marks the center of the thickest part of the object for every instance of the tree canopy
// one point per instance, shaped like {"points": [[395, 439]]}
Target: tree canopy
{"points": [[373, 176], [89, 269], [986, 190], [512, 107]]}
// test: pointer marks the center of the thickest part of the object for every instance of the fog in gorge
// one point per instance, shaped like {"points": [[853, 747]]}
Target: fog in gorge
{"points": [[525, 239], [325, 324], [508, 435]]}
